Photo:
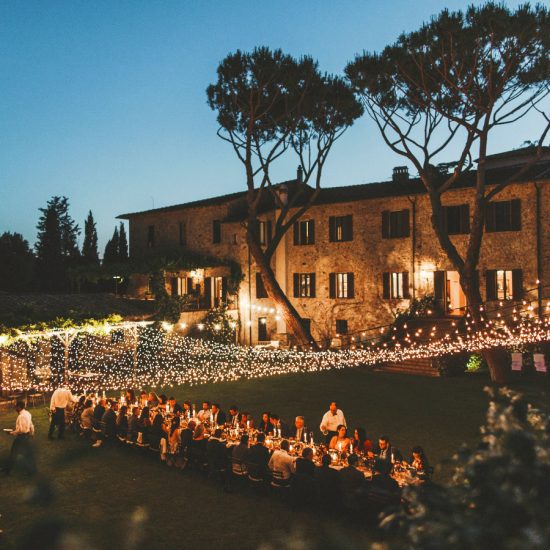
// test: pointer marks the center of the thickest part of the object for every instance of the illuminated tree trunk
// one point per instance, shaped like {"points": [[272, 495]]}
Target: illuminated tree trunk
{"points": [[289, 314]]}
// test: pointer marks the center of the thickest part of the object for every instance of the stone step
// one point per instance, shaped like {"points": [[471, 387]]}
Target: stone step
{"points": [[420, 367]]}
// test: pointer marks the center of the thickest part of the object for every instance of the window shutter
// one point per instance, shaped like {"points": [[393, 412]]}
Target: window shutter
{"points": [[385, 224], [332, 285], [386, 286], [517, 284], [406, 223], [439, 286], [332, 229], [224, 289], [208, 291], [348, 228], [174, 285], [406, 292], [490, 217], [351, 285], [296, 233], [464, 218], [312, 284], [491, 284], [296, 285], [311, 225], [189, 285], [515, 215]]}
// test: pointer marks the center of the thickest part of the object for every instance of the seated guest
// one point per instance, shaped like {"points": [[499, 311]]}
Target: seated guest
{"points": [[216, 452], [87, 418], [204, 414], [77, 411], [156, 432], [386, 451], [246, 422], [108, 424], [143, 398], [152, 400], [239, 456], [352, 483], [419, 460], [122, 422], [133, 425], [99, 411], [187, 409], [300, 432], [217, 416], [382, 483], [265, 425], [328, 483], [279, 428], [281, 462], [172, 404], [360, 443], [234, 417], [341, 441], [144, 423], [258, 458], [304, 465], [130, 397], [162, 400]]}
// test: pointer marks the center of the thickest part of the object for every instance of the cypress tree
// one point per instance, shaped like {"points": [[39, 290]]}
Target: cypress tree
{"points": [[89, 247], [122, 243], [111, 254]]}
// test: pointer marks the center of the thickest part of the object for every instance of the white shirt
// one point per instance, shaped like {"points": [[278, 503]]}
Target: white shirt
{"points": [[203, 415], [61, 398], [282, 462], [331, 421], [23, 424]]}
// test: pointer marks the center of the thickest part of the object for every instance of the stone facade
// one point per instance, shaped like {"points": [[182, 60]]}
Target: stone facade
{"points": [[368, 255]]}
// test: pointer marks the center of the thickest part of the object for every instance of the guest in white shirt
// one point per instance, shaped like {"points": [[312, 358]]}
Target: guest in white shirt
{"points": [[204, 414], [333, 418], [282, 462], [61, 398], [21, 451]]}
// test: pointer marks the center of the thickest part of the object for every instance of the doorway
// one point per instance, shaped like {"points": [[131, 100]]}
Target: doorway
{"points": [[448, 292]]}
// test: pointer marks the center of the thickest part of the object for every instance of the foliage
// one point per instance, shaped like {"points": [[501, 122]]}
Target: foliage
{"points": [[89, 247], [500, 493], [122, 243], [219, 326], [476, 363], [16, 263], [111, 253], [56, 246], [418, 308], [451, 365]]}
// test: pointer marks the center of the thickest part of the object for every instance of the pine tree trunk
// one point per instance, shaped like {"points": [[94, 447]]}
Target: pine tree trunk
{"points": [[290, 316], [496, 358]]}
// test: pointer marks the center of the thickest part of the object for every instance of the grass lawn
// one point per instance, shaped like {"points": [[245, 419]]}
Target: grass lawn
{"points": [[123, 498]]}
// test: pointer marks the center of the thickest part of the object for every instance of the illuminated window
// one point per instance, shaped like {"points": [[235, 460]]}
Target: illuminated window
{"points": [[505, 285]]}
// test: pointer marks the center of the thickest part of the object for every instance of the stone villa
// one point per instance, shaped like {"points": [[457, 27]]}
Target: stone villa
{"points": [[359, 254]]}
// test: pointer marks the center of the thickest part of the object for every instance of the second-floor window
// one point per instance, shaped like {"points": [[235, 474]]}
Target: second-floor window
{"points": [[264, 232], [340, 228], [504, 284], [182, 234], [503, 216], [304, 232], [304, 285], [395, 224], [151, 236], [395, 285], [261, 292], [216, 232], [457, 219], [341, 285]]}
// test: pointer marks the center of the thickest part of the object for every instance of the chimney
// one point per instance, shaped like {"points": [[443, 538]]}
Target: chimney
{"points": [[400, 174], [300, 174]]}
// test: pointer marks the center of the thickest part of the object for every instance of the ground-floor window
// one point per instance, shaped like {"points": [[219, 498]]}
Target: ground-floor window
{"points": [[341, 326]]}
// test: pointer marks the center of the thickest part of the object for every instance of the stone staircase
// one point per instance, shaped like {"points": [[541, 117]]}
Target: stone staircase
{"points": [[421, 367]]}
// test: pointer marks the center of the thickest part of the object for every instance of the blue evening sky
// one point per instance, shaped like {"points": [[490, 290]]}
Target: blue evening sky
{"points": [[104, 102]]}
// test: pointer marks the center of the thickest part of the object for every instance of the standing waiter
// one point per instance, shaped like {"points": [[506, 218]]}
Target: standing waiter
{"points": [[61, 397], [21, 449]]}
